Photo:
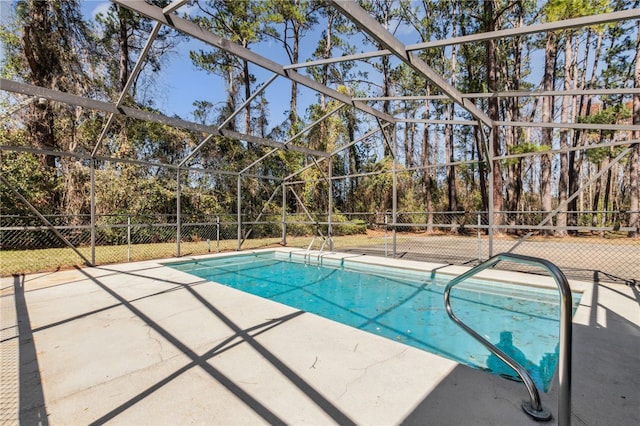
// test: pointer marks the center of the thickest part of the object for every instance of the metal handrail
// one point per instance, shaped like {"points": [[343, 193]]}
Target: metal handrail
{"points": [[533, 407], [324, 242]]}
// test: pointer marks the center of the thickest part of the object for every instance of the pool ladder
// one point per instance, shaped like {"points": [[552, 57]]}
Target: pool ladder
{"points": [[307, 254], [533, 407]]}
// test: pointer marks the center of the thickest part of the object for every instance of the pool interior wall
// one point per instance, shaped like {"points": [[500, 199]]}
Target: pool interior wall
{"points": [[405, 305]]}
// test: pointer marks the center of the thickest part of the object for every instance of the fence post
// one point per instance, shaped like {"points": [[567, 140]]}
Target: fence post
{"points": [[386, 249], [178, 216], [93, 212], [330, 204], [394, 201], [284, 214], [217, 234], [239, 208], [128, 238], [479, 239]]}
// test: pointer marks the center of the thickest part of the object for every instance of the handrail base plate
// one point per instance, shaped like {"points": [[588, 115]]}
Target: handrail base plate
{"points": [[541, 415]]}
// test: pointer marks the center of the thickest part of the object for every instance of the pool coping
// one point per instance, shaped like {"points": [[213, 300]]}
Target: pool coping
{"points": [[301, 369], [534, 280]]}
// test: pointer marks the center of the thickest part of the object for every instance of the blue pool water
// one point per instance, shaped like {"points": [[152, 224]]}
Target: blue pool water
{"points": [[406, 306]]}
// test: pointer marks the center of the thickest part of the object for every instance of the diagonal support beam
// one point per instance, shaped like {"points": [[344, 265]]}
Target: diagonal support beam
{"points": [[17, 107], [214, 40], [264, 209], [291, 139], [127, 86], [48, 224], [236, 112], [175, 5], [584, 21], [368, 24], [387, 142], [340, 149], [566, 202], [68, 98], [306, 211]]}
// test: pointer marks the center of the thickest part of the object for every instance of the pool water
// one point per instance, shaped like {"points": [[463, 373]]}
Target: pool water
{"points": [[406, 306]]}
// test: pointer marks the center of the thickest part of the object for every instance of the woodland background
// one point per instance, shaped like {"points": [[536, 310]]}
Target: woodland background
{"points": [[53, 44]]}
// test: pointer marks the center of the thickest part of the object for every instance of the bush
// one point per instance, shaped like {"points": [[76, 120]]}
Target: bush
{"points": [[343, 226]]}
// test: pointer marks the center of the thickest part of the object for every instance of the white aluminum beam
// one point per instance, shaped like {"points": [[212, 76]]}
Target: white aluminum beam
{"points": [[599, 19], [236, 112], [514, 94], [68, 98], [175, 5], [578, 126], [127, 86], [368, 24], [294, 137], [214, 40]]}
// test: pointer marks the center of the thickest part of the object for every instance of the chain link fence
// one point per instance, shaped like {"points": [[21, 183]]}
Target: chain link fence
{"points": [[27, 243], [603, 252], [596, 248]]}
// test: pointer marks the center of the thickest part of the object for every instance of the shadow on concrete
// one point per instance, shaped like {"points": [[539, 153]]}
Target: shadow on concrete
{"points": [[32, 405], [605, 375], [201, 361]]}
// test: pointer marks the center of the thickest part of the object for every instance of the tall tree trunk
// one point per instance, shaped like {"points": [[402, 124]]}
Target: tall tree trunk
{"points": [[123, 41], [595, 203], [44, 64], [246, 77], [547, 117], [514, 169], [449, 137], [607, 192], [452, 192], [482, 171], [232, 91], [576, 161], [563, 181], [494, 112], [293, 103]]}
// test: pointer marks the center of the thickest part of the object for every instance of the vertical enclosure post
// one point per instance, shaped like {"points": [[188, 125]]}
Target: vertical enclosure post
{"points": [[92, 194], [178, 213], [330, 205], [386, 237], [239, 209], [284, 214], [479, 237], [128, 238], [490, 195], [394, 201]]}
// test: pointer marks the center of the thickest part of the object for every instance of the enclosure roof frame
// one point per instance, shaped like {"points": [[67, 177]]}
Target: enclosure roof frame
{"points": [[192, 29], [584, 21], [168, 17]]}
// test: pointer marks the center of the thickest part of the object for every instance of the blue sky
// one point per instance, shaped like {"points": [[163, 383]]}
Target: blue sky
{"points": [[180, 83]]}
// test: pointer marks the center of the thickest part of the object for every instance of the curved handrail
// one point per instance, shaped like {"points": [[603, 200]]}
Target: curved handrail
{"points": [[533, 407]]}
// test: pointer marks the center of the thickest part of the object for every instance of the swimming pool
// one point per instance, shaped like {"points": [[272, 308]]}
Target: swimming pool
{"points": [[405, 305]]}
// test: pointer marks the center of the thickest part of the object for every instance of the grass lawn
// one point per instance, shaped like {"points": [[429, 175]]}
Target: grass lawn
{"points": [[46, 260]]}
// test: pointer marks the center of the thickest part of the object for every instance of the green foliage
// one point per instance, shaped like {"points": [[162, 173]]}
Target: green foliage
{"points": [[523, 148], [24, 172], [344, 226], [95, 59], [609, 115], [556, 10]]}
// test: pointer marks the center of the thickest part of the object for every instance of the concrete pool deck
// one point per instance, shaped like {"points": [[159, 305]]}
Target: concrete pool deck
{"points": [[142, 343]]}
